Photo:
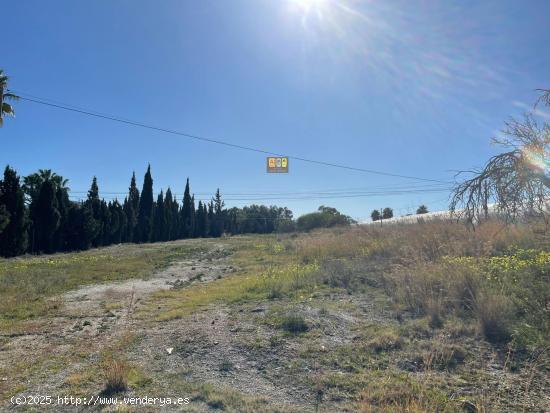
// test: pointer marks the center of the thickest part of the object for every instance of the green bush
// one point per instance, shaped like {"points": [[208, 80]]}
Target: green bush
{"points": [[294, 324], [325, 217]]}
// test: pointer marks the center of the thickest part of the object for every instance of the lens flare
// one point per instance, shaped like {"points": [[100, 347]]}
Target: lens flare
{"points": [[538, 159]]}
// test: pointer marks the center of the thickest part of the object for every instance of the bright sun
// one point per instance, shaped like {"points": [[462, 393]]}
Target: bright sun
{"points": [[310, 6], [310, 9]]}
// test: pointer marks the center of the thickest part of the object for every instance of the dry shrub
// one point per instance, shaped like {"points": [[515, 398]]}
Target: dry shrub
{"points": [[116, 376], [385, 342], [443, 356], [495, 316], [435, 289], [419, 288], [435, 310], [439, 289], [464, 286], [336, 274]]}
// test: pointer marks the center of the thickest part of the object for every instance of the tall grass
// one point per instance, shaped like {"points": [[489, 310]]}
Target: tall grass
{"points": [[418, 242], [497, 274]]}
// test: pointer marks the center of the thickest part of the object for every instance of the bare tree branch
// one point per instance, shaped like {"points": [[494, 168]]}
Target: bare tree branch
{"points": [[514, 183]]}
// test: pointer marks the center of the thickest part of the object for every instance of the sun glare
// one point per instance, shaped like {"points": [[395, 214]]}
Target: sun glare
{"points": [[308, 5], [310, 8]]}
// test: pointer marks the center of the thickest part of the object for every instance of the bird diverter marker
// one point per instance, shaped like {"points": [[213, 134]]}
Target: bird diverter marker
{"points": [[277, 164]]}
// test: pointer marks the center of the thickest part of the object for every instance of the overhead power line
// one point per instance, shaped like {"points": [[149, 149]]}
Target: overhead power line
{"points": [[310, 197], [58, 105], [342, 191]]}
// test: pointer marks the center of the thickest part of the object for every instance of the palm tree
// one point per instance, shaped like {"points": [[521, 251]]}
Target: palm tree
{"points": [[5, 94], [32, 183]]}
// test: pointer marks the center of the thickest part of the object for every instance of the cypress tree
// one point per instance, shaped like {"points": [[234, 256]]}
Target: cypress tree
{"points": [[193, 230], [217, 221], [93, 192], [105, 222], [13, 237], [176, 215], [117, 222], [63, 207], [176, 219], [186, 217], [94, 204], [47, 217], [202, 226], [159, 221], [132, 210], [232, 220], [128, 214], [4, 216], [81, 227], [210, 219], [168, 216], [123, 224], [145, 214], [114, 224]]}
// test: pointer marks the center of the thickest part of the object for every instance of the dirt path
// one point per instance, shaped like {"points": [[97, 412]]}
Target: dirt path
{"points": [[91, 318], [121, 298]]}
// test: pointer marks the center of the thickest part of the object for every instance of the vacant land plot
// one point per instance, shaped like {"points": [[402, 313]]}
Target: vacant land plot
{"points": [[419, 318]]}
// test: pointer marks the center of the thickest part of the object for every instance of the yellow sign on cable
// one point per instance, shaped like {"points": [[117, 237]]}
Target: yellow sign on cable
{"points": [[277, 164]]}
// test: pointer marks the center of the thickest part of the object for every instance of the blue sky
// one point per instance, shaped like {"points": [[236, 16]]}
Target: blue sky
{"points": [[411, 88]]}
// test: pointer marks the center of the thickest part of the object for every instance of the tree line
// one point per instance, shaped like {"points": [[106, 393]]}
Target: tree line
{"points": [[37, 216], [387, 213]]}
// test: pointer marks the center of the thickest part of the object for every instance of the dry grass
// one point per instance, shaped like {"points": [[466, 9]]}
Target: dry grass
{"points": [[497, 274], [396, 394], [494, 312], [385, 341], [411, 243], [116, 377]]}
